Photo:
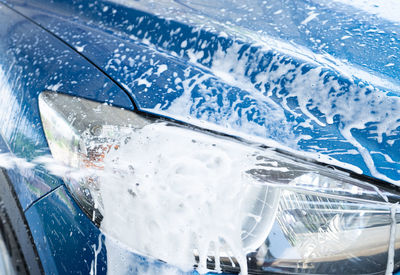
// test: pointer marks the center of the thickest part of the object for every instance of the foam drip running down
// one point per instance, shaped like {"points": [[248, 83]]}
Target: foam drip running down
{"points": [[191, 197], [279, 78], [185, 195], [172, 194]]}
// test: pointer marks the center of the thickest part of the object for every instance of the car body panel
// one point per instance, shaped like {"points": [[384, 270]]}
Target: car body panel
{"points": [[301, 75], [294, 75], [32, 61]]}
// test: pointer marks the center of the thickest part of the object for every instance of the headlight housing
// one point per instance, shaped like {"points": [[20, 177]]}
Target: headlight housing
{"points": [[193, 197]]}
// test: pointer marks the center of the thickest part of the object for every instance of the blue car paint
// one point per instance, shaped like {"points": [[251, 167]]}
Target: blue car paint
{"points": [[97, 32], [114, 37], [64, 237], [32, 61]]}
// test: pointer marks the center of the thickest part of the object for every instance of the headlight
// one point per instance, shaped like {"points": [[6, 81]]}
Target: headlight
{"points": [[196, 198]]}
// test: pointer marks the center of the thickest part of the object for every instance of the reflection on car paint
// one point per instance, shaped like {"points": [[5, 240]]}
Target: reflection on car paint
{"points": [[326, 95], [316, 94]]}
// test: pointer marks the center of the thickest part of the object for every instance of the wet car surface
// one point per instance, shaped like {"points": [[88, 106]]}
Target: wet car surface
{"points": [[316, 80]]}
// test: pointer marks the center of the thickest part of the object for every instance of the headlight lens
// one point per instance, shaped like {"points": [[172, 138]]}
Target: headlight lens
{"points": [[196, 198]]}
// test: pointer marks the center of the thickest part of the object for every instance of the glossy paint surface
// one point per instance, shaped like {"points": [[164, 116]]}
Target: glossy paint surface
{"points": [[32, 61], [316, 76], [320, 77]]}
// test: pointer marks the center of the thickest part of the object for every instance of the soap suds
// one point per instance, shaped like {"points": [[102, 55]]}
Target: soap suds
{"points": [[191, 189]]}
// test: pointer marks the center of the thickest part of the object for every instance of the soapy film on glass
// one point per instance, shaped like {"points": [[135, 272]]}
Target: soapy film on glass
{"points": [[194, 198]]}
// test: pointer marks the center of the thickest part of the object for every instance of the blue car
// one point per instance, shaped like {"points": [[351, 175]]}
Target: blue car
{"points": [[194, 137]]}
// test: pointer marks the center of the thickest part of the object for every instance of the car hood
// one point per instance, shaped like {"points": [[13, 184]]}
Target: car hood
{"points": [[320, 77]]}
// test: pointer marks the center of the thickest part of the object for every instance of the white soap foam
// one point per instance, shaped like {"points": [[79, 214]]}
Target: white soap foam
{"points": [[183, 196]]}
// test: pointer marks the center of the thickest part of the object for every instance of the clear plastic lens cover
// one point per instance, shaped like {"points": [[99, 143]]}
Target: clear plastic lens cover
{"points": [[196, 198]]}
